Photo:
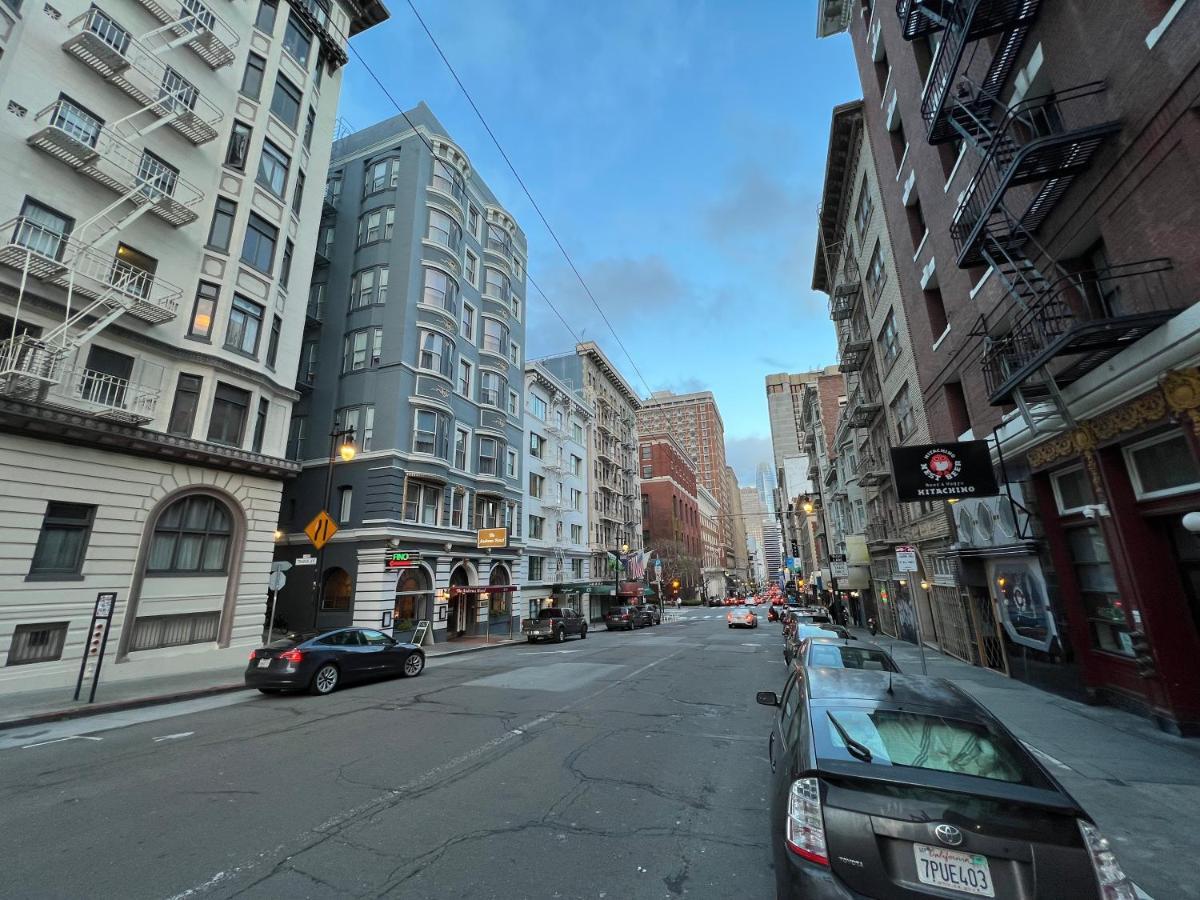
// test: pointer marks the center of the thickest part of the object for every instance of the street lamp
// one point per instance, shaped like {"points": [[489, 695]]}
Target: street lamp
{"points": [[341, 445]]}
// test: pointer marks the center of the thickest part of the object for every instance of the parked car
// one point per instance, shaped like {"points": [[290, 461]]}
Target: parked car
{"points": [[716, 601], [799, 633], [554, 624], [835, 653], [891, 785], [650, 614], [623, 617], [321, 661], [742, 618]]}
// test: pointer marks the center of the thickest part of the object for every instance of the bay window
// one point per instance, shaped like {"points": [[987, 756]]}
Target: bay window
{"points": [[431, 433], [422, 501], [440, 290], [437, 353]]}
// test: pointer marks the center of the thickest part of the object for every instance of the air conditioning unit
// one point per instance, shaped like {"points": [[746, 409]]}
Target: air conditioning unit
{"points": [[966, 526]]}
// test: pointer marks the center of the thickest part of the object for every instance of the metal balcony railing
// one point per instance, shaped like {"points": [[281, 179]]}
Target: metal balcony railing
{"points": [[854, 348], [872, 468], [862, 408], [108, 48], [885, 531], [194, 24], [1082, 319], [921, 17], [1048, 139]]}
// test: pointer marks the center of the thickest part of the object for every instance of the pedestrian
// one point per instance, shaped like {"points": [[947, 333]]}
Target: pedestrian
{"points": [[871, 625]]}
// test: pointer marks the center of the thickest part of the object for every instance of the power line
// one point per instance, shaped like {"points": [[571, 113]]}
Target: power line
{"points": [[537, 208]]}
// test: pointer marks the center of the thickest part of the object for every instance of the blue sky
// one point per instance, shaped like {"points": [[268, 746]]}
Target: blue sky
{"points": [[678, 149]]}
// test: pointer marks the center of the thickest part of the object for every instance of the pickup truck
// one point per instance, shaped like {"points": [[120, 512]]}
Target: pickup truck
{"points": [[554, 624]]}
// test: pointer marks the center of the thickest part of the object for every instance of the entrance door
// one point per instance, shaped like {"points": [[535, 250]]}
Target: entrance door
{"points": [[1187, 553]]}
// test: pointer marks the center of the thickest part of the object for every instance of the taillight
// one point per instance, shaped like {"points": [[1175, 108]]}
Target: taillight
{"points": [[292, 656], [805, 822], [624, 615], [253, 653], [1114, 883]]}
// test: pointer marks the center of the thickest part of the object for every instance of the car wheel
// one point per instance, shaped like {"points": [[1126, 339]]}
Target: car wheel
{"points": [[414, 665], [583, 633], [558, 636], [326, 679]]}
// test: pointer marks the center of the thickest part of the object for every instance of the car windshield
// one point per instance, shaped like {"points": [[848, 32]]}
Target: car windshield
{"points": [[923, 741], [836, 656]]}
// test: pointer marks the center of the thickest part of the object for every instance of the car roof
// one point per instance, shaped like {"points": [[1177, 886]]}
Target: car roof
{"points": [[842, 642], [905, 690]]}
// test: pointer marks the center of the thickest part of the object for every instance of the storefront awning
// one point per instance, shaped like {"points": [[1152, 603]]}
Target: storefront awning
{"points": [[576, 587], [483, 589]]}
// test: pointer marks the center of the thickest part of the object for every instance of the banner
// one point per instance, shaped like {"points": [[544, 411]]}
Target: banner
{"points": [[943, 471], [1019, 592]]}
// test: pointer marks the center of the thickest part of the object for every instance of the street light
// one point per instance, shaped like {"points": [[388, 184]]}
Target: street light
{"points": [[346, 451]]}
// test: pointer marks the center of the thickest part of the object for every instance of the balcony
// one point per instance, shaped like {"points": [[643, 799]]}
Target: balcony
{"points": [[1079, 322], [873, 469], [1048, 139], [80, 141], [195, 25], [964, 22], [921, 17], [883, 532], [862, 409], [855, 349], [102, 44]]}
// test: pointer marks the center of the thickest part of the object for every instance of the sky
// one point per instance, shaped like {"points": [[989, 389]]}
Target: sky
{"points": [[677, 148]]}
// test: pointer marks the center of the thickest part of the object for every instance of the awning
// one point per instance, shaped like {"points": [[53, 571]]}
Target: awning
{"points": [[601, 590], [576, 587], [484, 589]]}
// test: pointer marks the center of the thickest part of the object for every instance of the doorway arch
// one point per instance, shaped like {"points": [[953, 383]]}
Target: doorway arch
{"points": [[414, 598], [460, 614], [499, 602]]}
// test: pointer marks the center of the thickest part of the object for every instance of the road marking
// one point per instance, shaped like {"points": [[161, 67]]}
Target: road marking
{"points": [[174, 737], [73, 737]]}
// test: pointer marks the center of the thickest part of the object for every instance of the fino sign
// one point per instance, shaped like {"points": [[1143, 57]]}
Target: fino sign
{"points": [[949, 471]]}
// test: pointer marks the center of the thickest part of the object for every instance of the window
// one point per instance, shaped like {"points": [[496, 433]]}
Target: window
{"points": [[42, 230], [514, 404], [370, 287], [297, 40], [488, 456], [1072, 490], [577, 536], [489, 389], [362, 348], [458, 502], [152, 632], [472, 268], [258, 247], [1098, 588], [381, 175], [345, 501], [462, 439], [515, 307], [339, 589], [876, 276], [273, 341], [62, 542], [204, 311], [245, 324], [1162, 466], [473, 221], [227, 423], [273, 166], [647, 471], [889, 341], [862, 212], [496, 284], [537, 528], [537, 406], [917, 228], [537, 445], [448, 180], [422, 502], [310, 124], [437, 353], [902, 413], [260, 424], [285, 102], [221, 230], [576, 499], [956, 407], [192, 536], [431, 433], [252, 78], [156, 177], [185, 405], [265, 20], [444, 230], [238, 150], [935, 309], [577, 564], [514, 357], [464, 377], [646, 451], [511, 469], [577, 433], [466, 326], [298, 193], [499, 240], [537, 485], [576, 466], [285, 267], [376, 226], [42, 642], [495, 336], [295, 441]]}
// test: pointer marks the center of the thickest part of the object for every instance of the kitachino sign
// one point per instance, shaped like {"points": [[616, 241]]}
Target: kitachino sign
{"points": [[944, 471]]}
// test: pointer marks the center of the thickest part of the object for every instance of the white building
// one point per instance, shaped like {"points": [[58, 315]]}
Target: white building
{"points": [[557, 426], [772, 549], [154, 256]]}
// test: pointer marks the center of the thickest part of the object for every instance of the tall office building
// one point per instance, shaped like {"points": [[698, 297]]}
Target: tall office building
{"points": [[157, 238], [765, 483], [694, 421], [414, 343], [772, 548], [735, 515]]}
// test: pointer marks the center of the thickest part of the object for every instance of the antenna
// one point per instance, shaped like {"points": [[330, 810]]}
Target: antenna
{"points": [[889, 681]]}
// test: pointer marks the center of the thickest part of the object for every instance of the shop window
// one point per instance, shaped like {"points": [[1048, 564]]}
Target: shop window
{"points": [[1162, 466], [1072, 490], [1103, 606]]}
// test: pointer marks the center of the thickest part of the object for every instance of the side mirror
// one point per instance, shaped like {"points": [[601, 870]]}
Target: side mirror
{"points": [[767, 698]]}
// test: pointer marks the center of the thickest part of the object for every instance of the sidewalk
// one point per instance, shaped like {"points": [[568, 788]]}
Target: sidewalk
{"points": [[55, 704], [1140, 784]]}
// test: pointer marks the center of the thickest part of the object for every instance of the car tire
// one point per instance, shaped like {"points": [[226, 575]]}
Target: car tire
{"points": [[414, 665], [583, 633], [325, 679], [558, 636]]}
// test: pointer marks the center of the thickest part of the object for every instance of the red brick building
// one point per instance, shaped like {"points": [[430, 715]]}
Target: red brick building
{"points": [[1041, 160], [670, 511]]}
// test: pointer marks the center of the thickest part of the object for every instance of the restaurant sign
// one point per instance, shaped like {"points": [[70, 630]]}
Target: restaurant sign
{"points": [[947, 471]]}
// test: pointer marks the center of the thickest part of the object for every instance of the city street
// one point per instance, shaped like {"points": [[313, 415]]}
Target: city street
{"points": [[624, 765]]}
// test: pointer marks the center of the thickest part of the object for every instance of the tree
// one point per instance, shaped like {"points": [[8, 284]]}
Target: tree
{"points": [[677, 563]]}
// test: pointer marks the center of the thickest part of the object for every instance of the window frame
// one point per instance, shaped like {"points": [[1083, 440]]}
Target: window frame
{"points": [[293, 94], [257, 64], [265, 233], [60, 521], [178, 409], [205, 533], [237, 154], [1064, 510], [280, 165], [58, 639], [228, 402], [225, 212], [249, 311], [439, 437], [301, 30], [203, 297], [434, 490], [1135, 477], [443, 357]]}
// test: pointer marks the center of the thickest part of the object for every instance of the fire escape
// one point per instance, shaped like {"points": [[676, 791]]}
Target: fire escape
{"points": [[101, 285], [555, 466], [1062, 319]]}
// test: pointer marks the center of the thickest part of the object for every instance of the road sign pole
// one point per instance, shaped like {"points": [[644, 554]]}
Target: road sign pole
{"points": [[271, 618]]}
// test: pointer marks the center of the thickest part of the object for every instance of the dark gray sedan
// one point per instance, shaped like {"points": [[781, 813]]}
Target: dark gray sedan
{"points": [[321, 661]]}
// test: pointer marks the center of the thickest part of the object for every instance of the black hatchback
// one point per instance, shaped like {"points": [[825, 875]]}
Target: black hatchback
{"points": [[888, 785], [321, 661]]}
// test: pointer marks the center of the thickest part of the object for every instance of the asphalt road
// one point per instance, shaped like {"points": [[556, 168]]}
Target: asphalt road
{"points": [[625, 765]]}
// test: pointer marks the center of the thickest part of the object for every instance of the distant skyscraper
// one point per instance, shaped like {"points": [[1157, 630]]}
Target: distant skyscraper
{"points": [[764, 481]]}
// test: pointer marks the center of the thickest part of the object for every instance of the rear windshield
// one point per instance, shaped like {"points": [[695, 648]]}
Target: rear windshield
{"points": [[923, 741], [550, 614], [848, 657], [814, 617], [291, 639]]}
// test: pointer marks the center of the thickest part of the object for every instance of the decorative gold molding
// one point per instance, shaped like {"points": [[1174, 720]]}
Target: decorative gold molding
{"points": [[1182, 390], [1148, 409], [1060, 446]]}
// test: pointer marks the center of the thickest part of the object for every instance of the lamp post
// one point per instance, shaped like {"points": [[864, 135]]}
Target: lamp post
{"points": [[617, 575], [346, 452]]}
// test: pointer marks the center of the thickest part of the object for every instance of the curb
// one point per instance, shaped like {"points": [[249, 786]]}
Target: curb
{"points": [[96, 709], [496, 646]]}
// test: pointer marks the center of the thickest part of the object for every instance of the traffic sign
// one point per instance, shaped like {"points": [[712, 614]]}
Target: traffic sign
{"points": [[280, 565], [306, 560], [276, 581], [839, 568], [321, 529]]}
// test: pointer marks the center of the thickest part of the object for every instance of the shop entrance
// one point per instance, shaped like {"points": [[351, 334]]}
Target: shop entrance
{"points": [[460, 614], [414, 602]]}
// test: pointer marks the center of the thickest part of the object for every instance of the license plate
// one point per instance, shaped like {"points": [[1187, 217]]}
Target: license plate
{"points": [[965, 872], [264, 663]]}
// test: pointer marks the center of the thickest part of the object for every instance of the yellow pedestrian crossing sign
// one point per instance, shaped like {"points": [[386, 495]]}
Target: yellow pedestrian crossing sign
{"points": [[321, 529]]}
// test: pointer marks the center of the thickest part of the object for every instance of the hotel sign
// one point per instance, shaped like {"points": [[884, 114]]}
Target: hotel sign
{"points": [[491, 537]]}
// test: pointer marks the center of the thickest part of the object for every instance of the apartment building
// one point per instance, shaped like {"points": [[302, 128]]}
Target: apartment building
{"points": [[671, 531], [712, 569], [156, 239], [885, 407], [753, 516], [557, 426], [614, 506], [1040, 156], [412, 350], [694, 420], [740, 572]]}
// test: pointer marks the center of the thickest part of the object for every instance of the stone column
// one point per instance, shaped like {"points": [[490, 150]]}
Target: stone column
{"points": [[374, 590]]}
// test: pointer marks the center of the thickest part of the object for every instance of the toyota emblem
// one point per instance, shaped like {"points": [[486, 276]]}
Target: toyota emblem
{"points": [[948, 835]]}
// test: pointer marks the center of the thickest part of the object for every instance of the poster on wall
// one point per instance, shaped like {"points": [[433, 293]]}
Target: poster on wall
{"points": [[906, 614], [1019, 593]]}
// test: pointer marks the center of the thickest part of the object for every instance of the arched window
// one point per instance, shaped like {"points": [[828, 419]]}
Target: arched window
{"points": [[498, 600], [338, 589], [192, 536], [412, 594]]}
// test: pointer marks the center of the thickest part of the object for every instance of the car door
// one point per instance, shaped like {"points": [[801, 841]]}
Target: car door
{"points": [[782, 756], [377, 652], [570, 622]]}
